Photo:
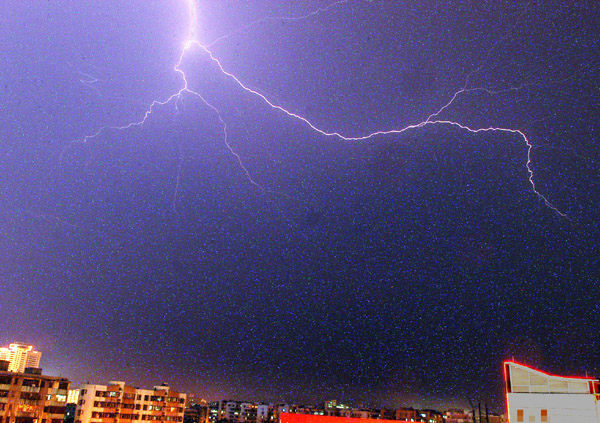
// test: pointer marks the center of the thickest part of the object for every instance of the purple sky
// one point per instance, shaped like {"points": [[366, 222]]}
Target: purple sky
{"points": [[398, 270]]}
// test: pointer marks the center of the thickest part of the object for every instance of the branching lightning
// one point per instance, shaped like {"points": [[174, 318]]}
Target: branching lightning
{"points": [[432, 119]]}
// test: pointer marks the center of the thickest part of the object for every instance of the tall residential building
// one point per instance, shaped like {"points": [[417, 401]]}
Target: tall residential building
{"points": [[126, 404], [20, 357], [533, 396], [31, 397]]}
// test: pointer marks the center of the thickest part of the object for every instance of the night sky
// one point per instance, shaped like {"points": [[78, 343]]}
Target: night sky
{"points": [[394, 271]]}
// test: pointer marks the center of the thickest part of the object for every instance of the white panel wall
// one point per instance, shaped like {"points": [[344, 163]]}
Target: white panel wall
{"points": [[562, 408]]}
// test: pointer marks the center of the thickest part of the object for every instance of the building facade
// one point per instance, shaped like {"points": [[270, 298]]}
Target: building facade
{"points": [[196, 413], [118, 402], [533, 396], [456, 415], [31, 397], [20, 357], [73, 397], [241, 412]]}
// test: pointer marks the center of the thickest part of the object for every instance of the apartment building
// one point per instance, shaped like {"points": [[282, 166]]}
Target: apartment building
{"points": [[119, 402], [73, 397], [20, 356], [456, 415], [196, 413], [240, 412], [30, 397]]}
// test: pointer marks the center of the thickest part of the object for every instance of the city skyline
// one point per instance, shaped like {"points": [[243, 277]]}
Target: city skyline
{"points": [[379, 202], [530, 393]]}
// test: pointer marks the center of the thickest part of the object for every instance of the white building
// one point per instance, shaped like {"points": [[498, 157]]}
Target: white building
{"points": [[264, 413], [533, 396], [73, 397], [126, 404], [20, 356]]}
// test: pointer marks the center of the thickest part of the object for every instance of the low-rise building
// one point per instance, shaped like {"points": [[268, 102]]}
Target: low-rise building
{"points": [[387, 414], [408, 414], [458, 416], [126, 404], [534, 396], [429, 416]]}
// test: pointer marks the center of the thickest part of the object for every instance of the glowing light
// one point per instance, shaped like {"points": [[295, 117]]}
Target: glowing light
{"points": [[432, 118]]}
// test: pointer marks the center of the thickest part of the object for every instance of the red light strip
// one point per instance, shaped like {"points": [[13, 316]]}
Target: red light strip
{"points": [[506, 387]]}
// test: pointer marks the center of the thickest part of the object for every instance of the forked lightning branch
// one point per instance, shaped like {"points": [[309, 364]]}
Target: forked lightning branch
{"points": [[433, 118]]}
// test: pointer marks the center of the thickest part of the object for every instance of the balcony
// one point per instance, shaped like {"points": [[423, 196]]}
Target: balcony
{"points": [[4, 387], [20, 413], [55, 403], [30, 389]]}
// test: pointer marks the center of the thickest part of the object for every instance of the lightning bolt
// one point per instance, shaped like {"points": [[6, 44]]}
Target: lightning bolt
{"points": [[90, 82], [431, 120]]}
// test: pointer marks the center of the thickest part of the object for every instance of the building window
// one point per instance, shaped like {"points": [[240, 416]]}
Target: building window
{"points": [[544, 416], [520, 416]]}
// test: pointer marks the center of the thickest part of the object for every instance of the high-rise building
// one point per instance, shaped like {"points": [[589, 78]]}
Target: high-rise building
{"points": [[126, 404], [536, 397], [31, 397], [20, 357]]}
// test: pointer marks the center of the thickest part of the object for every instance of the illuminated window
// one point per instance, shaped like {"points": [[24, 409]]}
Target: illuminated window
{"points": [[544, 416], [519, 416]]}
